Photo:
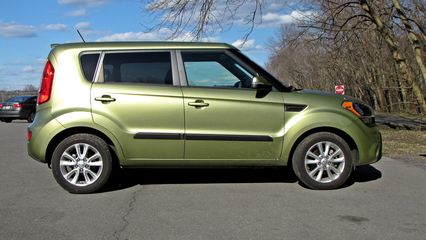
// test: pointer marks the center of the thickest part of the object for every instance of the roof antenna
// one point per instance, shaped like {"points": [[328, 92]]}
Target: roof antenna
{"points": [[80, 35]]}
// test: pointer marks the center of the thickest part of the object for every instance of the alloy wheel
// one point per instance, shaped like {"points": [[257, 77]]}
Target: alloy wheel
{"points": [[324, 162], [81, 164]]}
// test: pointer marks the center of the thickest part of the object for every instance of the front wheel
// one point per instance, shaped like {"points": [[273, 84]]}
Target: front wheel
{"points": [[82, 163], [322, 161]]}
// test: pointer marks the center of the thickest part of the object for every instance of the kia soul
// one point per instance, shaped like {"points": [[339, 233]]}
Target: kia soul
{"points": [[171, 104]]}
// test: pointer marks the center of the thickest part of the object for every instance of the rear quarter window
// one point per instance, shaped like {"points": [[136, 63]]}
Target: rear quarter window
{"points": [[89, 62]]}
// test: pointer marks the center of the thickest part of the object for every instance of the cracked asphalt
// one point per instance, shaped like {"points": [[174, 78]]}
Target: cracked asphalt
{"points": [[386, 200]]}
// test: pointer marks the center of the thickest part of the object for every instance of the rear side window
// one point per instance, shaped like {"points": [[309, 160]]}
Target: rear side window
{"points": [[139, 67], [32, 100], [88, 63], [19, 99]]}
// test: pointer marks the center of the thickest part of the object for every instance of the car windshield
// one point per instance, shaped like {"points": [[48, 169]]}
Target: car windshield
{"points": [[18, 99]]}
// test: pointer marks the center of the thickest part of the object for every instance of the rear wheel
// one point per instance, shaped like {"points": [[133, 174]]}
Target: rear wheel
{"points": [[82, 163], [31, 117], [322, 161]]}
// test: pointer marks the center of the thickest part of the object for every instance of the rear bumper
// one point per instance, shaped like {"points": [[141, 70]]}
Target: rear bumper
{"points": [[11, 114], [43, 129], [34, 156]]}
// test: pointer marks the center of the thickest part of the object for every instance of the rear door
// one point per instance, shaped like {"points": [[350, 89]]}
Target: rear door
{"points": [[136, 96]]}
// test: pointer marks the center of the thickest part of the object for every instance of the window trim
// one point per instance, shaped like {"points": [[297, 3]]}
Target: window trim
{"points": [[181, 69], [99, 69]]}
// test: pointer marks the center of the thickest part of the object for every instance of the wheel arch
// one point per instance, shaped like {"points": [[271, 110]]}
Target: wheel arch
{"points": [[345, 136], [116, 149]]}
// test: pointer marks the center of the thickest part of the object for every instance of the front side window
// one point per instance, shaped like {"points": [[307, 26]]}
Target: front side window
{"points": [[215, 69], [139, 67]]}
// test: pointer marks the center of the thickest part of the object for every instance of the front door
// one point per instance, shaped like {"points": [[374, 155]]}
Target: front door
{"points": [[225, 118]]}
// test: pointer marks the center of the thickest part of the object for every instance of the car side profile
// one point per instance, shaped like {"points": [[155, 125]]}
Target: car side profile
{"points": [[171, 104], [19, 107]]}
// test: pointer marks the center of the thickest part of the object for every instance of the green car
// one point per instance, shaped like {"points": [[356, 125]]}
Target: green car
{"points": [[171, 104]]}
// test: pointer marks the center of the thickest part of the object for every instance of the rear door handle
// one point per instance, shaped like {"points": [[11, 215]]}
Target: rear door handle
{"points": [[105, 99], [198, 104]]}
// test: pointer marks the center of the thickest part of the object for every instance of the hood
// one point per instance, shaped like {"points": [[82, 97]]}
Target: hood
{"points": [[328, 94]]}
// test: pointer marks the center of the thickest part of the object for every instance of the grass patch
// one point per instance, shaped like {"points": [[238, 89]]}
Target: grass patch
{"points": [[403, 143]]}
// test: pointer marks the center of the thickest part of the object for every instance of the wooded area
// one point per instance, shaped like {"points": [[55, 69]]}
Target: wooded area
{"points": [[375, 48]]}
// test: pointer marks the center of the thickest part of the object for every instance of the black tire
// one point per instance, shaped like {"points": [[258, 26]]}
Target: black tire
{"points": [[7, 120], [338, 166], [81, 167], [31, 117]]}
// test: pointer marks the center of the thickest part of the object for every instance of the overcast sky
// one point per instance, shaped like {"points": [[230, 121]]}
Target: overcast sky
{"points": [[28, 27]]}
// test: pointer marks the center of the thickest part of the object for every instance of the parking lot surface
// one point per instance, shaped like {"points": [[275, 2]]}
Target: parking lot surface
{"points": [[386, 200]]}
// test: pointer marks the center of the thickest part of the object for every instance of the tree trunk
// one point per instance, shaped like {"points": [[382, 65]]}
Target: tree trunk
{"points": [[414, 40], [393, 46]]}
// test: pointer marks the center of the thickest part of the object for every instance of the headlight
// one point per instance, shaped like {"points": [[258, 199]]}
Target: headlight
{"points": [[362, 111]]}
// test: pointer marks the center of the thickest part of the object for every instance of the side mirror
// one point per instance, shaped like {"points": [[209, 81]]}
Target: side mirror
{"points": [[261, 85], [256, 81], [259, 82]]}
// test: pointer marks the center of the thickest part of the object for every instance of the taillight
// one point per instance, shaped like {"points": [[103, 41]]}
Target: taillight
{"points": [[17, 105], [1, 105], [46, 83], [29, 135]]}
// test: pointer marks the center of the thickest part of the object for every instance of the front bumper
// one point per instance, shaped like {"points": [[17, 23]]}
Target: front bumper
{"points": [[371, 145]]}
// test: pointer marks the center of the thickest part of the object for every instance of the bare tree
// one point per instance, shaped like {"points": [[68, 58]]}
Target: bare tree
{"points": [[365, 47], [344, 24], [392, 43], [29, 88], [412, 36], [201, 18]]}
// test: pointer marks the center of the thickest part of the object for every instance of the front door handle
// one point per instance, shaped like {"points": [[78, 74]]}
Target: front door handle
{"points": [[198, 104], [105, 99]]}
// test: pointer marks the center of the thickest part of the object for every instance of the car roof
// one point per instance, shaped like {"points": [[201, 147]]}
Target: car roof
{"points": [[24, 96], [92, 46]]}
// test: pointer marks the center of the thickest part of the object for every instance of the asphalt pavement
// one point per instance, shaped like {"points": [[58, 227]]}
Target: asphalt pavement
{"points": [[386, 200]]}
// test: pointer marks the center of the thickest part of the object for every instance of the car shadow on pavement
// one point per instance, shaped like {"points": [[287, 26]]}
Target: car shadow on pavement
{"points": [[126, 178], [366, 173]]}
